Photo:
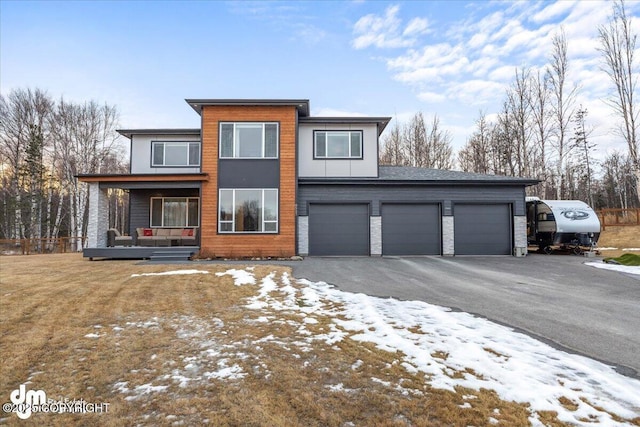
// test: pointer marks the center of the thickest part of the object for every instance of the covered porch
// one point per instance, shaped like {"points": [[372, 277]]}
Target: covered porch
{"points": [[164, 217]]}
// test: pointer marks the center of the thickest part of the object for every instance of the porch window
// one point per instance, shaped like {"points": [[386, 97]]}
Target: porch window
{"points": [[175, 212], [249, 140], [175, 153], [338, 144], [248, 211]]}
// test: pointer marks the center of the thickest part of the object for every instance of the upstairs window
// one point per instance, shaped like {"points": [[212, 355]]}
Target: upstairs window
{"points": [[249, 140], [175, 153], [337, 144]]}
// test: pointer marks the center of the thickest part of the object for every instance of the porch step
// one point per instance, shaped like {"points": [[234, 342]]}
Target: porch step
{"points": [[172, 255]]}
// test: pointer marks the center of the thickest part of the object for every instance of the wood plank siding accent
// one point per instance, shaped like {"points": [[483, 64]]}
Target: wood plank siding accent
{"points": [[241, 245]]}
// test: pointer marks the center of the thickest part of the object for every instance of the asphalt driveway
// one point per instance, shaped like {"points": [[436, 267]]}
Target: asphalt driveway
{"points": [[555, 298]]}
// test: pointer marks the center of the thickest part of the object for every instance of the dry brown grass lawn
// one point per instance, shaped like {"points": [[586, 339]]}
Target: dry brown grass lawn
{"points": [[89, 330], [621, 238]]}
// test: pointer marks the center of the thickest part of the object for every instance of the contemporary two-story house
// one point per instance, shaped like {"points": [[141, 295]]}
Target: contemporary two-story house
{"points": [[263, 178]]}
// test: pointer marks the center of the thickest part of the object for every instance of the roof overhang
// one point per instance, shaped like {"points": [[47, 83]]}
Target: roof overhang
{"points": [[302, 105], [128, 133], [415, 182], [186, 177], [381, 122]]}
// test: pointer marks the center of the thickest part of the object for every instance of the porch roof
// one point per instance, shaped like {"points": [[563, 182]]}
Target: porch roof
{"points": [[133, 181], [138, 177]]}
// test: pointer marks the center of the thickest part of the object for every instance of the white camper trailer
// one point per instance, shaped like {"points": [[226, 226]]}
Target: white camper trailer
{"points": [[563, 224]]}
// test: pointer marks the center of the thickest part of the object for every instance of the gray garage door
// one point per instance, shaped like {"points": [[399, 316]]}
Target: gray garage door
{"points": [[411, 229], [339, 229], [482, 229]]}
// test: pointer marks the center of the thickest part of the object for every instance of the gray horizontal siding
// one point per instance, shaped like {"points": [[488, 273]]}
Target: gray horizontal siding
{"points": [[445, 194], [140, 204]]}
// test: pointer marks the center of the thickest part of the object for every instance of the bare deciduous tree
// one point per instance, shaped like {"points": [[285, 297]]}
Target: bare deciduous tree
{"points": [[416, 144], [617, 46], [84, 137], [562, 107], [475, 155], [43, 145], [24, 115], [540, 116]]}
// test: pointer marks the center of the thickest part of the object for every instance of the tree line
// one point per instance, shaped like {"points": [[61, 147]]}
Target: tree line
{"points": [[541, 132], [44, 144]]}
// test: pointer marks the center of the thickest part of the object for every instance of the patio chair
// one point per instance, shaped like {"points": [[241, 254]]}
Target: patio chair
{"points": [[114, 238]]}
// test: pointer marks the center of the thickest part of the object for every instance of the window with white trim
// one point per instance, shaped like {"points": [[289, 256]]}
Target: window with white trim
{"points": [[253, 210], [248, 140], [175, 212], [337, 144], [175, 153]]}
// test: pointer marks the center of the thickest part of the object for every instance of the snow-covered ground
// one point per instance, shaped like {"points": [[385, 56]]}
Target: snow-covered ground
{"points": [[430, 339], [615, 267]]}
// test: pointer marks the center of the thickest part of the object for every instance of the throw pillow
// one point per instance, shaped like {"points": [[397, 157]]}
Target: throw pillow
{"points": [[147, 232]]}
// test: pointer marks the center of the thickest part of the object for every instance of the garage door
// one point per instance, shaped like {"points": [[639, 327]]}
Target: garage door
{"points": [[339, 229], [411, 229], [482, 229]]}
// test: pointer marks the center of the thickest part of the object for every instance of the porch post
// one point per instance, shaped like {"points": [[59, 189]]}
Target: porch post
{"points": [[98, 216]]}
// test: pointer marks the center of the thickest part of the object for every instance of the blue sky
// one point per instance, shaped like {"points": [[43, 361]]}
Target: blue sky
{"points": [[376, 58]]}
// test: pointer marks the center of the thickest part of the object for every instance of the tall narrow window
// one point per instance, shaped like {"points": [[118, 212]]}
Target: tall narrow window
{"points": [[338, 144], [248, 140]]}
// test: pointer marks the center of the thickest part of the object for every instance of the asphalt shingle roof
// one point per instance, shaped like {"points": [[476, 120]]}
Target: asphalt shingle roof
{"points": [[407, 173]]}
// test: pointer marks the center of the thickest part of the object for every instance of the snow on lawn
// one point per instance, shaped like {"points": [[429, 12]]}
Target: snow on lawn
{"points": [[615, 267], [172, 273], [451, 348], [515, 365]]}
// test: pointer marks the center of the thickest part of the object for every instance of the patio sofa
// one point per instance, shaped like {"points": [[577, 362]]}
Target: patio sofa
{"points": [[166, 236], [114, 238]]}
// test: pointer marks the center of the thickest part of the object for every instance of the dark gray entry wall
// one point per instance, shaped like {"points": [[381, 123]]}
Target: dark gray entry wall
{"points": [[411, 229], [338, 229], [140, 204], [483, 229]]}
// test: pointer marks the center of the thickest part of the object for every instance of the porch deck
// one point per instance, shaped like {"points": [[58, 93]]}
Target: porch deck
{"points": [[138, 252]]}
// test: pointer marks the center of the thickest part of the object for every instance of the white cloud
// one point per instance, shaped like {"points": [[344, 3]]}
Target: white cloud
{"points": [[465, 64], [505, 73], [554, 10], [478, 92], [385, 31], [416, 26], [309, 33], [431, 97]]}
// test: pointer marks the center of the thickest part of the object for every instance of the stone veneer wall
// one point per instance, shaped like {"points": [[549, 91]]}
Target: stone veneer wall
{"points": [[520, 235], [448, 236], [303, 235], [375, 235], [98, 217]]}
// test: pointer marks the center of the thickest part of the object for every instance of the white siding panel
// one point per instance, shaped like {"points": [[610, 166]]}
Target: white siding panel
{"points": [[310, 167], [141, 154]]}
